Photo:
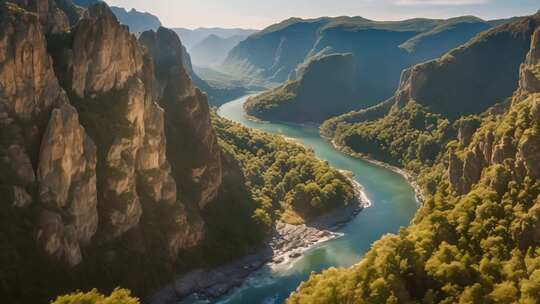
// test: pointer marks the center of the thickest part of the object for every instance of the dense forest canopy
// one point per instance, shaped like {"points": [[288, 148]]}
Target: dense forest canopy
{"points": [[286, 179]]}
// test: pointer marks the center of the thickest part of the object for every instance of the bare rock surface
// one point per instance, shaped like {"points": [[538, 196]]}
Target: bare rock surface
{"points": [[192, 144]]}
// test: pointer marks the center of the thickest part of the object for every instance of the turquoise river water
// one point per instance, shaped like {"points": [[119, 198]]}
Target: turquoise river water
{"points": [[393, 206]]}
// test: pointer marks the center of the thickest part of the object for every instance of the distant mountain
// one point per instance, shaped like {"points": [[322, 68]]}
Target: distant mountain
{"points": [[208, 47], [445, 36], [466, 81], [192, 37], [85, 3], [218, 93], [381, 51], [213, 49], [293, 100], [137, 21]]}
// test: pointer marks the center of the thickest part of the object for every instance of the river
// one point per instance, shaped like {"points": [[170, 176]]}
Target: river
{"points": [[393, 206]]}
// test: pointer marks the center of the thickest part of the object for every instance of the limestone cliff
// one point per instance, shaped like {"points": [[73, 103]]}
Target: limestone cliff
{"points": [[108, 159], [510, 153], [67, 183], [192, 145], [43, 144]]}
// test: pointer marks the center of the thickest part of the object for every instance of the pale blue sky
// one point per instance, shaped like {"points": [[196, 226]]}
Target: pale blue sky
{"points": [[259, 14]]}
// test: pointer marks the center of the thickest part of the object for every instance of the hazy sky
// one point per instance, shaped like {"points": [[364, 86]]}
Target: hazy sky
{"points": [[259, 14]]}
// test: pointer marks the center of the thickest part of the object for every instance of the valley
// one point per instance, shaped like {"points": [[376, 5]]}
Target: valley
{"points": [[393, 204], [335, 159]]}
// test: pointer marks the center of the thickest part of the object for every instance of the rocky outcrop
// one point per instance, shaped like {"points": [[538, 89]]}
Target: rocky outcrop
{"points": [[505, 151], [42, 131], [99, 65], [466, 128], [55, 16], [29, 85], [67, 183], [455, 172], [29, 91], [108, 150], [111, 73], [192, 144]]}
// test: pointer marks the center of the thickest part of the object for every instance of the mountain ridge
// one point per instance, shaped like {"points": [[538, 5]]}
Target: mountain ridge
{"points": [[382, 49]]}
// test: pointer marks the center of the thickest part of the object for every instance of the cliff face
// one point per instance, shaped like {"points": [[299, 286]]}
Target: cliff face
{"points": [[107, 153], [111, 72], [192, 145], [138, 22], [512, 154], [67, 183], [530, 71], [46, 154], [54, 16]]}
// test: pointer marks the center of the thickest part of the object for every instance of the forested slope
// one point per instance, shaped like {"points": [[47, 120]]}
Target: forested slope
{"points": [[476, 237], [380, 51]]}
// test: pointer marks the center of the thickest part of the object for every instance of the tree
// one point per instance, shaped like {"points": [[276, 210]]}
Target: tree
{"points": [[118, 296]]}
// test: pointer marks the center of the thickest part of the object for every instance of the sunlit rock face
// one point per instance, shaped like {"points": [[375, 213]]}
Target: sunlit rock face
{"points": [[67, 181], [48, 157], [96, 143], [382, 50], [191, 142]]}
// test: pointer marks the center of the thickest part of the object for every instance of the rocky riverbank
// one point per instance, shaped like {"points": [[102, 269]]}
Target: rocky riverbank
{"points": [[286, 244]]}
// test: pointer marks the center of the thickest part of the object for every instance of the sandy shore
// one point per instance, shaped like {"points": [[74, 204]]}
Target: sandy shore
{"points": [[286, 244]]}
